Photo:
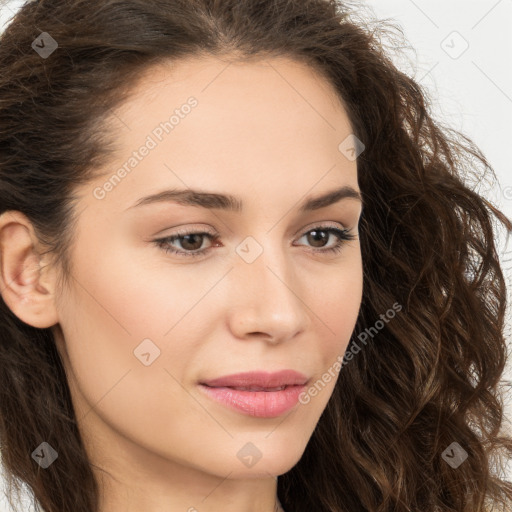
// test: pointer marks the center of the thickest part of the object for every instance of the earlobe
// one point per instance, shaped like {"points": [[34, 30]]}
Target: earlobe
{"points": [[26, 285]]}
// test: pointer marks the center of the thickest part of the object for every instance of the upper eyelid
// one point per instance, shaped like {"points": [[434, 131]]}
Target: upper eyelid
{"points": [[343, 235], [181, 231], [213, 234]]}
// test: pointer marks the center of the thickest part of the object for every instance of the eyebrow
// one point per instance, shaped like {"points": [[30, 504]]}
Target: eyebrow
{"points": [[212, 200]]}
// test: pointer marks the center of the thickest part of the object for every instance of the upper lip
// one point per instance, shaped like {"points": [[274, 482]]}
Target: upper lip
{"points": [[259, 379]]}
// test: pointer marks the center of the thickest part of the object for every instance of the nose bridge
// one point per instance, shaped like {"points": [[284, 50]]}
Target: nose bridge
{"points": [[269, 296]]}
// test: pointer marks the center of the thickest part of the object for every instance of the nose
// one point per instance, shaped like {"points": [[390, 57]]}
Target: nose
{"points": [[268, 300]]}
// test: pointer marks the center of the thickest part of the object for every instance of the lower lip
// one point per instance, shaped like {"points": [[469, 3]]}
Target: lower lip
{"points": [[263, 404]]}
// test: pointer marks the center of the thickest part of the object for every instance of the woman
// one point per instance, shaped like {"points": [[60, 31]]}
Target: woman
{"points": [[334, 339]]}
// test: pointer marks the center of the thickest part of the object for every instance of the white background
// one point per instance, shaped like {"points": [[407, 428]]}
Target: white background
{"points": [[470, 88], [463, 57]]}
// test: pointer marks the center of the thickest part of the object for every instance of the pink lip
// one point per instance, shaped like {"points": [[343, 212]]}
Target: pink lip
{"points": [[262, 403], [260, 379]]}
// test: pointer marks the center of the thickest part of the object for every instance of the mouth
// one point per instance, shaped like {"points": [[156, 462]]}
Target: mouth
{"points": [[251, 388], [255, 401], [259, 380], [258, 393]]}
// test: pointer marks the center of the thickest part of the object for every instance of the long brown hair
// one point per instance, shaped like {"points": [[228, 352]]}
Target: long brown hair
{"points": [[428, 378]]}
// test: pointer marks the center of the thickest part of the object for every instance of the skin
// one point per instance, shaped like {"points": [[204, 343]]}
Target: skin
{"points": [[267, 132]]}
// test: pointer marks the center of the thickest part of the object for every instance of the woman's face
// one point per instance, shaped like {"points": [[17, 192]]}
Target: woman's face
{"points": [[140, 328]]}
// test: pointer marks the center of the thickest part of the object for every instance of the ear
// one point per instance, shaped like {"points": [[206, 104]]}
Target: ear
{"points": [[26, 284]]}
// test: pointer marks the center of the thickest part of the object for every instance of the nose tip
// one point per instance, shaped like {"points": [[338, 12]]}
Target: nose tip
{"points": [[267, 307]]}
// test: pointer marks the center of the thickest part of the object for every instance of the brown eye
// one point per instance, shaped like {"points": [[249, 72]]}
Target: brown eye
{"points": [[190, 243], [318, 237]]}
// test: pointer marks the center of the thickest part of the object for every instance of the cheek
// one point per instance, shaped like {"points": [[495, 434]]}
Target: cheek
{"points": [[114, 307], [119, 304], [335, 300], [134, 293], [337, 307]]}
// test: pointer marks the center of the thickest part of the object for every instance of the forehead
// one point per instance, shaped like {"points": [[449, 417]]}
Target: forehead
{"points": [[268, 121], [249, 88]]}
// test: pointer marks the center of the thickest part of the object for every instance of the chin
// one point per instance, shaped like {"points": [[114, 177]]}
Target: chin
{"points": [[273, 459]]}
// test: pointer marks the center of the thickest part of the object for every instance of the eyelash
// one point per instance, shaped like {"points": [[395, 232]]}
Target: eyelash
{"points": [[343, 235]]}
